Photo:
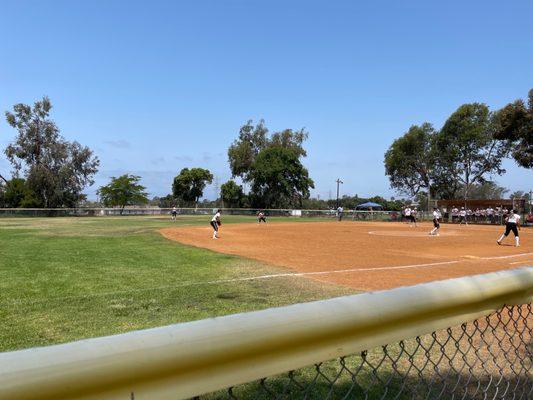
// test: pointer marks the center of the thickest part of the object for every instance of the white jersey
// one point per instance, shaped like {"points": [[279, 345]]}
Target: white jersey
{"points": [[513, 218], [216, 217], [436, 214], [407, 212], [462, 213]]}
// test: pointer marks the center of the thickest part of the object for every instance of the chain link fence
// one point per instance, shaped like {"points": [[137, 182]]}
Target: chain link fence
{"points": [[348, 215], [489, 358], [166, 212]]}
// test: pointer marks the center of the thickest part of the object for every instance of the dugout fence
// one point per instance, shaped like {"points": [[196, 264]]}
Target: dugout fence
{"points": [[467, 338]]}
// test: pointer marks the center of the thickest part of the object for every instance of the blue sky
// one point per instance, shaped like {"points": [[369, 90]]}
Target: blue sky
{"points": [[156, 86]]}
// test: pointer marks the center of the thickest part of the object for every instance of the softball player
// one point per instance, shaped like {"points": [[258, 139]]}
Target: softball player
{"points": [[261, 217], [436, 222], [414, 214], [462, 216], [215, 223], [174, 212], [407, 213], [340, 213], [512, 224]]}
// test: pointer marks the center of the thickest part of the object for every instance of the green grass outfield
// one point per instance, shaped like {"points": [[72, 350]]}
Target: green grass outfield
{"points": [[64, 278]]}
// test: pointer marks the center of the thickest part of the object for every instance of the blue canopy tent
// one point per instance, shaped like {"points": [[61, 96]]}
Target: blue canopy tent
{"points": [[370, 204]]}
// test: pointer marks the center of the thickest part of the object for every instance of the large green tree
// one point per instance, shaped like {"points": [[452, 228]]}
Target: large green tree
{"points": [[484, 191], [409, 161], [241, 154], [466, 147], [247, 157], [55, 169], [123, 191], [514, 124], [232, 194], [189, 184], [279, 179], [15, 193], [254, 139]]}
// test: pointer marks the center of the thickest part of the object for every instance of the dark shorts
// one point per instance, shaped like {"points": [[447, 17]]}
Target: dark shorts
{"points": [[436, 223], [511, 227], [411, 218], [262, 219], [214, 225]]}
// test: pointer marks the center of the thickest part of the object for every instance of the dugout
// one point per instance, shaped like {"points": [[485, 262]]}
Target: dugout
{"points": [[498, 207]]}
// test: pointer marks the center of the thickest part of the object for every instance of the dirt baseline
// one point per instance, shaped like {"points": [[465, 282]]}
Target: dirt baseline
{"points": [[366, 255]]}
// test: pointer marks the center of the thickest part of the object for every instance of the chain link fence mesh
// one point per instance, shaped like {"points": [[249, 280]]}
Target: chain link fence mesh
{"points": [[489, 358]]}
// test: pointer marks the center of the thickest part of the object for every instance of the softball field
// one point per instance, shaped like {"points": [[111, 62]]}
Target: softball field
{"points": [[365, 255]]}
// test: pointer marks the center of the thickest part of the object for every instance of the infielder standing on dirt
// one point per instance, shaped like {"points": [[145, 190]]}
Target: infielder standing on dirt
{"points": [[174, 212], [261, 217], [512, 224], [414, 214], [407, 214], [340, 212], [436, 222], [462, 216], [215, 223]]}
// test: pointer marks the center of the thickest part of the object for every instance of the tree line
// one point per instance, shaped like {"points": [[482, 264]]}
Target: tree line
{"points": [[455, 161], [467, 151], [51, 172]]}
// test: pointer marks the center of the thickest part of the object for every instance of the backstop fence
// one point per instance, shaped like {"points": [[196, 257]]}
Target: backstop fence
{"points": [[467, 338]]}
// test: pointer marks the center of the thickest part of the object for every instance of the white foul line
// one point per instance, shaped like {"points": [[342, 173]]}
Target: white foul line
{"points": [[289, 274], [501, 257], [338, 271]]}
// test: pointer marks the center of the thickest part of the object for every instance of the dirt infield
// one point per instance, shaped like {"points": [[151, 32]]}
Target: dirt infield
{"points": [[366, 255]]}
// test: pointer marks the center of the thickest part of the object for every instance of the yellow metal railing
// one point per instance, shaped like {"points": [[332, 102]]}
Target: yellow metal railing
{"points": [[190, 359]]}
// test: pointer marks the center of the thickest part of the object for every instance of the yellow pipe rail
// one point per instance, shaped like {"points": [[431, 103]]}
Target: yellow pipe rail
{"points": [[189, 359]]}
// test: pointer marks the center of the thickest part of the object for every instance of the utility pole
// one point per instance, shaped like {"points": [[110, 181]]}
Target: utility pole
{"points": [[339, 182]]}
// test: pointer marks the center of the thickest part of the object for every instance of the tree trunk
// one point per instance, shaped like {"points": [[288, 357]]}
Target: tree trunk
{"points": [[122, 209]]}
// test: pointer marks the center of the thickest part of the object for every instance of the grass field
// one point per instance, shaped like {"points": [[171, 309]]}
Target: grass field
{"points": [[63, 279]]}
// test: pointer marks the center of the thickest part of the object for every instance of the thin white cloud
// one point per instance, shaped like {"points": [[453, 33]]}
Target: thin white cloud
{"points": [[158, 160], [119, 144], [183, 158]]}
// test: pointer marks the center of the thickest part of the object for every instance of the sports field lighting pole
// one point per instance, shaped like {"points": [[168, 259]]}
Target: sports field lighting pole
{"points": [[339, 182]]}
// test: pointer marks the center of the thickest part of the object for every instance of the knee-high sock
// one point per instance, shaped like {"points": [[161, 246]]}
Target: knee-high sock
{"points": [[517, 240], [501, 237]]}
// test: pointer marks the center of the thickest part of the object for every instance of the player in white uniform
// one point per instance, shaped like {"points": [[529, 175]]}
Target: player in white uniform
{"points": [[512, 224], [462, 216], [174, 212], [414, 214], [436, 222], [407, 213], [340, 213], [215, 223], [261, 217]]}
